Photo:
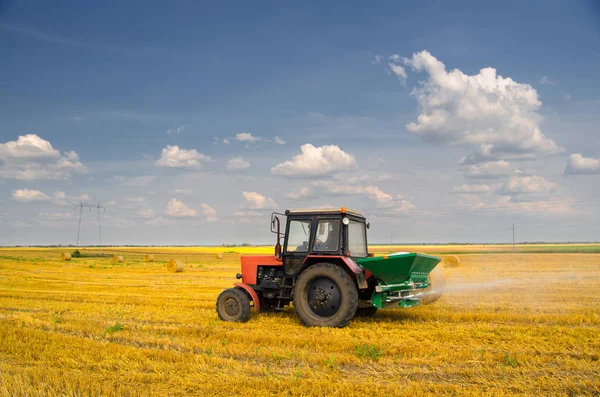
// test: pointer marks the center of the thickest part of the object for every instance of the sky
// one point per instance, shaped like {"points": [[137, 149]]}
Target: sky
{"points": [[190, 122]]}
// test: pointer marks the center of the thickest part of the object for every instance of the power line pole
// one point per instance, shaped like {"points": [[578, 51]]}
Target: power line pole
{"points": [[79, 225], [90, 206], [513, 230]]}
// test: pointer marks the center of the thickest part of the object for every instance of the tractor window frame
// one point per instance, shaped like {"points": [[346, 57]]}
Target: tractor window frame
{"points": [[288, 232], [339, 235], [349, 238]]}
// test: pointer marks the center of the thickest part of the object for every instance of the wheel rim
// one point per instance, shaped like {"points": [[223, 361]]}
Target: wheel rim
{"points": [[323, 296], [231, 306]]}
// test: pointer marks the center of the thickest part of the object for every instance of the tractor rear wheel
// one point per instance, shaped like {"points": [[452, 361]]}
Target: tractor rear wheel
{"points": [[325, 296], [233, 305]]}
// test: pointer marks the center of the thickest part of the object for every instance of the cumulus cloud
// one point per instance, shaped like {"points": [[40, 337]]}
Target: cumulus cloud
{"points": [[175, 130], [472, 189], [579, 165], [179, 209], [145, 213], [27, 195], [497, 116], [277, 140], [247, 137], [349, 187], [31, 157], [174, 157], [398, 71], [377, 59], [316, 161], [489, 170], [57, 198], [258, 201], [209, 212], [524, 188], [545, 80], [238, 163]]}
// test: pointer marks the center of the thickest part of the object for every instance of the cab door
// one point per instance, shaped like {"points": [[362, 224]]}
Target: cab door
{"points": [[297, 244]]}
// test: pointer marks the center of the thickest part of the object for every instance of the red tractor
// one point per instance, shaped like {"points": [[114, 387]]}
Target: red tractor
{"points": [[324, 268]]}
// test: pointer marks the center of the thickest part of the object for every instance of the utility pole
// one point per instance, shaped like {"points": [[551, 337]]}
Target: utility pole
{"points": [[90, 206], [513, 230], [79, 225]]}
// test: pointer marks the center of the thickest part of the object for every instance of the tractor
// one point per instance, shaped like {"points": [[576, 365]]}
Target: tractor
{"points": [[323, 267]]}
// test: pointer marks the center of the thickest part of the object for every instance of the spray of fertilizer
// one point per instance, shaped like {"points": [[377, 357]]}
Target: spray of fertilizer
{"points": [[466, 287]]}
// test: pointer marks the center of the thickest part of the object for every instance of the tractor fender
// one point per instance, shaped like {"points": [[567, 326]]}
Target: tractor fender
{"points": [[358, 272], [252, 294]]}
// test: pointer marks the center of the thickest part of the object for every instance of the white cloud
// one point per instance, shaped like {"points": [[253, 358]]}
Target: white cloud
{"points": [[29, 147], [145, 213], [27, 195], [496, 115], [545, 80], [377, 59], [277, 140], [176, 130], [174, 157], [398, 71], [579, 165], [489, 170], [525, 188], [248, 214], [187, 192], [226, 141], [209, 212], [316, 161], [238, 163], [247, 137], [258, 201], [179, 209], [349, 187], [472, 189], [31, 157]]}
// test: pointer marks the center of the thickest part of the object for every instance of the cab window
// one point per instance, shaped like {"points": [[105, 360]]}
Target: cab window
{"points": [[298, 236], [357, 239], [328, 235]]}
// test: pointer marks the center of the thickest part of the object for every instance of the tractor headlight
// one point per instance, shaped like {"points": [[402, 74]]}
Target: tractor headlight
{"points": [[345, 221]]}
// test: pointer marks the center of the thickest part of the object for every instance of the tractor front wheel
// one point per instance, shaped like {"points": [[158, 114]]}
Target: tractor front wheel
{"points": [[233, 305], [325, 296]]}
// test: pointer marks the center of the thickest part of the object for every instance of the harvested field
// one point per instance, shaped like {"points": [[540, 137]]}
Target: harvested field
{"points": [[525, 323]]}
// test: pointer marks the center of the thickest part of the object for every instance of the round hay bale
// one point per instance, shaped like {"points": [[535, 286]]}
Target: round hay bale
{"points": [[219, 256], [175, 266], [118, 259], [451, 261], [65, 256], [149, 258]]}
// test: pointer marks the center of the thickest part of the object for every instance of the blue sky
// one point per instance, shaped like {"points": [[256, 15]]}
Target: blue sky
{"points": [[108, 81]]}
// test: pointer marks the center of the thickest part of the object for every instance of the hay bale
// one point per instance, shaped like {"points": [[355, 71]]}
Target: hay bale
{"points": [[175, 266], [65, 256], [149, 258], [451, 261], [219, 256], [118, 259]]}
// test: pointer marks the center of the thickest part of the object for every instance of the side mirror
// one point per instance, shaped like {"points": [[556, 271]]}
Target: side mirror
{"points": [[368, 225]]}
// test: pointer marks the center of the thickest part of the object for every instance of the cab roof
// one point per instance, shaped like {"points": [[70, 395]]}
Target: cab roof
{"points": [[323, 211]]}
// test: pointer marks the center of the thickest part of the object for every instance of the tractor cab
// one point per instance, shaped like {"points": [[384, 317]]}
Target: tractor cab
{"points": [[319, 233]]}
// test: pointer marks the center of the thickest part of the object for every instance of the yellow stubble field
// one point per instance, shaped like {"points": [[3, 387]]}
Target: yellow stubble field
{"points": [[525, 323]]}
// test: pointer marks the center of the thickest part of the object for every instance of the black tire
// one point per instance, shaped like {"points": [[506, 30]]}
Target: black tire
{"points": [[325, 296], [233, 305], [366, 311]]}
